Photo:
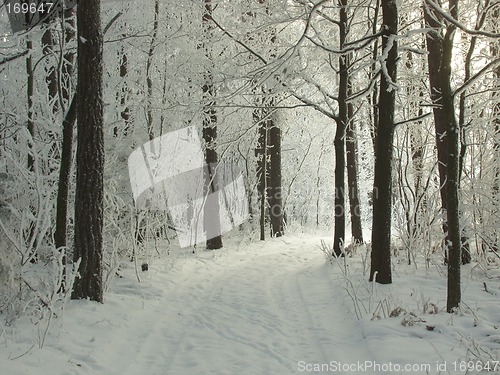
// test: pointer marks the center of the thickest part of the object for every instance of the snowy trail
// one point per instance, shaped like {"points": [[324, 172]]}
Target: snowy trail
{"points": [[264, 308], [258, 311]]}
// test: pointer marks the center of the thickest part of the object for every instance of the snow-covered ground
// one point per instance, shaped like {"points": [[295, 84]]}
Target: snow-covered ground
{"points": [[274, 307]]}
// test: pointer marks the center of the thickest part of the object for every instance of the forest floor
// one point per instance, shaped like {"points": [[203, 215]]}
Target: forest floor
{"points": [[274, 307]]}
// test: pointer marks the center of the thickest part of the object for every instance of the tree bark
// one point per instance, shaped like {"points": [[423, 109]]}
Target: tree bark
{"points": [[268, 153], [30, 90], [339, 141], [212, 213], [453, 244], [352, 175], [384, 138], [60, 234], [274, 188], [434, 41], [51, 78], [89, 199], [261, 153], [439, 89], [149, 78], [495, 51]]}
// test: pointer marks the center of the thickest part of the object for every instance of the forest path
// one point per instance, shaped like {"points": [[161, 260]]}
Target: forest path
{"points": [[266, 308], [261, 308]]}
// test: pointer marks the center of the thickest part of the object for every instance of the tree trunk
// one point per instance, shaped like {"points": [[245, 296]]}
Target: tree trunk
{"points": [[261, 153], [30, 90], [123, 94], [384, 137], [60, 234], [89, 199], [51, 78], [274, 188], [373, 97], [434, 41], [212, 213], [69, 56], [352, 177], [435, 48], [339, 141], [149, 78], [495, 51], [452, 200]]}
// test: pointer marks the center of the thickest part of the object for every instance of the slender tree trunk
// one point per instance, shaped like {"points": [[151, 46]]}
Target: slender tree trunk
{"points": [[89, 199], [495, 51], [149, 78], [465, 254], [352, 177], [261, 154], [339, 141], [268, 151], [30, 90], [274, 188], [60, 234], [434, 41], [51, 78], [373, 98], [212, 214], [69, 56], [123, 94], [384, 138], [437, 65], [454, 235]]}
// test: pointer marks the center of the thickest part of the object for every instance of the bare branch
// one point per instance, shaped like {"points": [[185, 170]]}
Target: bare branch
{"points": [[462, 27], [111, 22], [13, 57], [353, 46], [413, 119], [479, 74]]}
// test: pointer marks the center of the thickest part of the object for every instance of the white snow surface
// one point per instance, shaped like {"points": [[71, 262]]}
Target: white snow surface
{"points": [[274, 307]]}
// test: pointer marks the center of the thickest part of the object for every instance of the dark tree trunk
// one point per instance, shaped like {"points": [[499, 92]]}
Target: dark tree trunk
{"points": [[30, 234], [60, 235], [274, 188], [495, 51], [435, 47], [268, 152], [30, 89], [384, 137], [339, 141], [89, 199], [261, 154], [435, 51], [373, 98], [352, 177], [125, 113], [212, 213], [149, 78], [452, 200]]}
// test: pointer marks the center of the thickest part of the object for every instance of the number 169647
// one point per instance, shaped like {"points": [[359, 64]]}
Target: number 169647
{"points": [[18, 7]]}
